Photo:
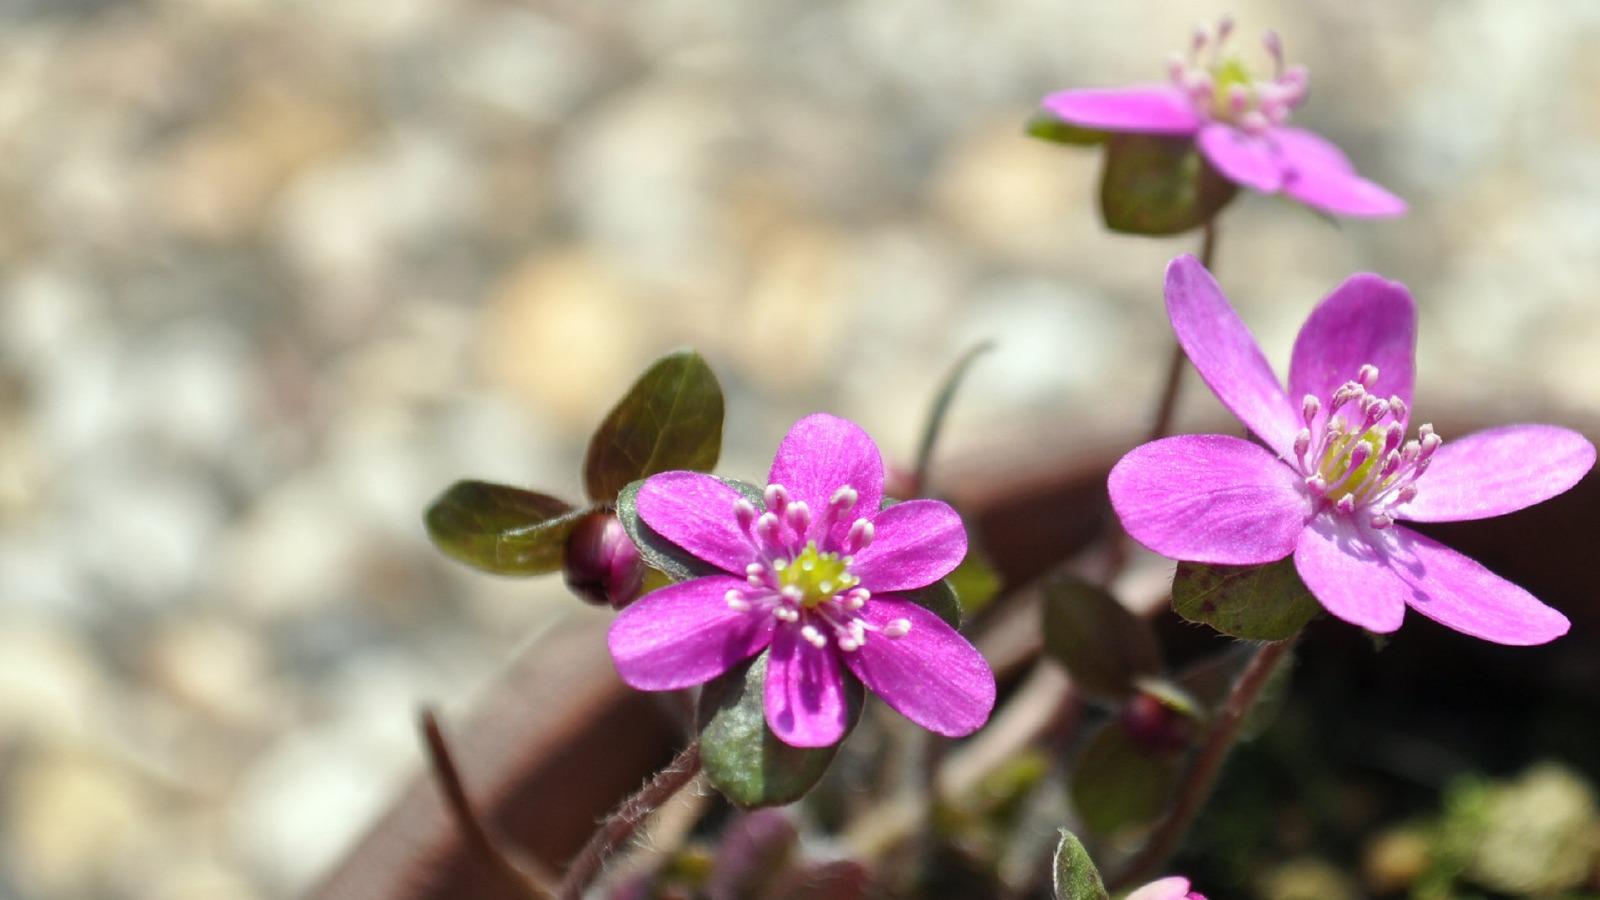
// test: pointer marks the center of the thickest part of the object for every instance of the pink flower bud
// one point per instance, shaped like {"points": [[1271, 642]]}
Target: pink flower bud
{"points": [[1156, 726], [602, 565]]}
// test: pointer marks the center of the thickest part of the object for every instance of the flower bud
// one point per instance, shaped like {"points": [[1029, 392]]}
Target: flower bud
{"points": [[1155, 725], [602, 565]]}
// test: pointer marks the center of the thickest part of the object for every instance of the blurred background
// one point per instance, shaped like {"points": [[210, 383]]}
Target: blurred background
{"points": [[272, 274]]}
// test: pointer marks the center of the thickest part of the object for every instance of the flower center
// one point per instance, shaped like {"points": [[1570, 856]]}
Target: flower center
{"points": [[818, 576], [798, 582], [1357, 459], [1222, 88]]}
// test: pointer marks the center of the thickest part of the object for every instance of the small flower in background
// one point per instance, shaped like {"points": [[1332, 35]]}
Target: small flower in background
{"points": [[1174, 888], [1339, 473], [813, 574], [1238, 122]]}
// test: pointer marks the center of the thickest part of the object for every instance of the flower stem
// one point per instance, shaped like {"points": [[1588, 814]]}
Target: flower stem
{"points": [[516, 880], [1202, 775], [626, 819], [1167, 406]]}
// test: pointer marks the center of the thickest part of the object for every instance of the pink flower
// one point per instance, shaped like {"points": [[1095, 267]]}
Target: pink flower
{"points": [[1239, 124], [814, 576], [1338, 472], [1174, 888]]}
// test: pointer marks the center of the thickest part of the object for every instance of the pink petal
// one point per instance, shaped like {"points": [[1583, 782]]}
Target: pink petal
{"points": [[1142, 109], [805, 698], [1209, 498], [1349, 575], [821, 454], [931, 675], [695, 511], [1366, 319], [1318, 174], [1458, 592], [685, 634], [1174, 888], [1226, 356], [1491, 473], [914, 544], [1242, 158]]}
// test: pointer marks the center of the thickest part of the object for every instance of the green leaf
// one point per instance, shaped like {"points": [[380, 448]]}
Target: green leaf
{"points": [[1047, 127], [670, 419], [1253, 603], [1159, 185], [975, 582], [660, 553], [501, 529], [741, 755], [1104, 647], [938, 598], [940, 409], [1117, 785], [1075, 876]]}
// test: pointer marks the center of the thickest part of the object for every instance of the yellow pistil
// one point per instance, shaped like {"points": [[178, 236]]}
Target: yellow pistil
{"points": [[1336, 463], [818, 576]]}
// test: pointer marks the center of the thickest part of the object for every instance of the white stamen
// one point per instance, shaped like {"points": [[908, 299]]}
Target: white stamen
{"points": [[793, 593], [1346, 505], [1382, 521], [785, 614], [825, 588], [813, 636], [1367, 376], [1302, 443], [897, 629], [744, 513], [770, 531], [1398, 409], [1317, 485], [848, 644], [1407, 494], [1309, 407], [844, 499], [756, 580], [776, 497], [755, 569], [736, 601], [798, 515], [860, 536]]}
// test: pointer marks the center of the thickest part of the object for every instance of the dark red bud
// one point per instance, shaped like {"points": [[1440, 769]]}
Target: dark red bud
{"points": [[1156, 726], [602, 565]]}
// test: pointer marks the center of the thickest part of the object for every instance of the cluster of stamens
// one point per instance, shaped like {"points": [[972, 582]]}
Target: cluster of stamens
{"points": [[799, 583], [1356, 461], [1221, 88]]}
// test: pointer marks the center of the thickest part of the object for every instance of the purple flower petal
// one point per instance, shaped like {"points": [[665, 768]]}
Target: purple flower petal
{"points": [[914, 544], [1318, 174], [1173, 888], [931, 675], [1491, 473], [821, 454], [1458, 592], [685, 634], [1366, 319], [1209, 498], [805, 699], [1349, 575], [695, 511], [1142, 109], [1226, 356], [1242, 158]]}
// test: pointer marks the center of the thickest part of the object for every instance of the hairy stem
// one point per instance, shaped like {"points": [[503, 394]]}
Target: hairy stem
{"points": [[1202, 775], [626, 819], [473, 832], [1167, 406]]}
